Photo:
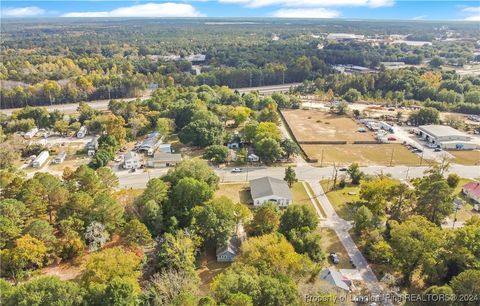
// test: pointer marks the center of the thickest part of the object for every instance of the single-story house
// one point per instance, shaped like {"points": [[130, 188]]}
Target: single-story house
{"points": [[253, 158], [60, 158], [131, 160], [269, 189], [161, 159], [336, 279], [472, 191], [228, 252]]}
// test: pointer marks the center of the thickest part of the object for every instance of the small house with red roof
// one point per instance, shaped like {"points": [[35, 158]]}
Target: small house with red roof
{"points": [[472, 191]]}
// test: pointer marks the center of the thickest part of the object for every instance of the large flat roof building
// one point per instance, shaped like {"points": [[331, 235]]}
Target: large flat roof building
{"points": [[447, 137]]}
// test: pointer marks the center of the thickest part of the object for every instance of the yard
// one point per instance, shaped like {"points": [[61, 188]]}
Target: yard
{"points": [[367, 154], [469, 158], [340, 198], [331, 243], [237, 192], [208, 268], [316, 125]]}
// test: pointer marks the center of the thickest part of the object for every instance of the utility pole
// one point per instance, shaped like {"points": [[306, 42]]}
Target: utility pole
{"points": [[391, 158], [421, 158], [321, 160], [334, 176]]}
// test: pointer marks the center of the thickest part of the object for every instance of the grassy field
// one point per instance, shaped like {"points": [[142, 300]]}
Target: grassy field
{"points": [[340, 198], [309, 125], [466, 157], [237, 192], [299, 194], [371, 154], [331, 243]]}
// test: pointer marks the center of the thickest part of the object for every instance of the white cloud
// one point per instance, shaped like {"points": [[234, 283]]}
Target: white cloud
{"points": [[306, 13], [472, 12], [421, 17], [312, 3], [168, 9], [29, 11]]}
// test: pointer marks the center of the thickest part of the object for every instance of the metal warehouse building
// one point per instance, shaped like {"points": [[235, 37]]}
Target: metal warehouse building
{"points": [[447, 137]]}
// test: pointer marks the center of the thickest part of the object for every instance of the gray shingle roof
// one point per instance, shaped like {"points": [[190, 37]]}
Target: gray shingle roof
{"points": [[268, 186], [334, 278]]}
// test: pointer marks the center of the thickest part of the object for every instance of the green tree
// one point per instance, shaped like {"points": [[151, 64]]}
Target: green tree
{"points": [[289, 147], [177, 252], [352, 95], [298, 217], [216, 220], [136, 233], [426, 115], [216, 153], [27, 254], [188, 193], [109, 264], [467, 282], [414, 243], [121, 292], [290, 176], [46, 290], [193, 168], [266, 220], [268, 149], [452, 180], [363, 219], [306, 241], [434, 198], [355, 173]]}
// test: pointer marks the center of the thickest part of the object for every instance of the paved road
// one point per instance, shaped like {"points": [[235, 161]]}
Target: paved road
{"points": [[103, 104], [341, 227]]}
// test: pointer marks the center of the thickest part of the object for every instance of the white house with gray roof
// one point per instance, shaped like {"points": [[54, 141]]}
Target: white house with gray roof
{"points": [[267, 189]]}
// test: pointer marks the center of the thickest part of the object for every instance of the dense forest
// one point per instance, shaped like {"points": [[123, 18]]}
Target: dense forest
{"points": [[59, 61]]}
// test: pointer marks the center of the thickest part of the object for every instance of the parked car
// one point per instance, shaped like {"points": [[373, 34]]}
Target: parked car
{"points": [[334, 258], [391, 138], [236, 170], [342, 169], [132, 170], [437, 150]]}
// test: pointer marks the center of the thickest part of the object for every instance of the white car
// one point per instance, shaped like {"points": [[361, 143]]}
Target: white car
{"points": [[236, 170]]}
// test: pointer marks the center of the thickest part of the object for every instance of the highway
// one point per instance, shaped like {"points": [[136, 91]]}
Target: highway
{"points": [[70, 108]]}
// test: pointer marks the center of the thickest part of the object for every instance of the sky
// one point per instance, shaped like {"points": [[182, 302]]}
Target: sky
{"points": [[347, 9]]}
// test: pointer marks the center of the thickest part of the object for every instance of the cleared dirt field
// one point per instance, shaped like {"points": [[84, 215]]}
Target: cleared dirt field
{"points": [[466, 157], [371, 154], [316, 125]]}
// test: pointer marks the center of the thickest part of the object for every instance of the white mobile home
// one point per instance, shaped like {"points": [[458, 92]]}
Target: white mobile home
{"points": [[40, 160], [60, 158], [30, 134], [82, 132]]}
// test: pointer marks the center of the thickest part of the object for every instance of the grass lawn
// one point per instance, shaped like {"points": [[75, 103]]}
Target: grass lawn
{"points": [[331, 243], [299, 194], [469, 158], [237, 192], [369, 154], [340, 197]]}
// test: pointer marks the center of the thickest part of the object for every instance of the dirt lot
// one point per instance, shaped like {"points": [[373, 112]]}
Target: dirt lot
{"points": [[316, 125], [331, 243], [372, 154]]}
